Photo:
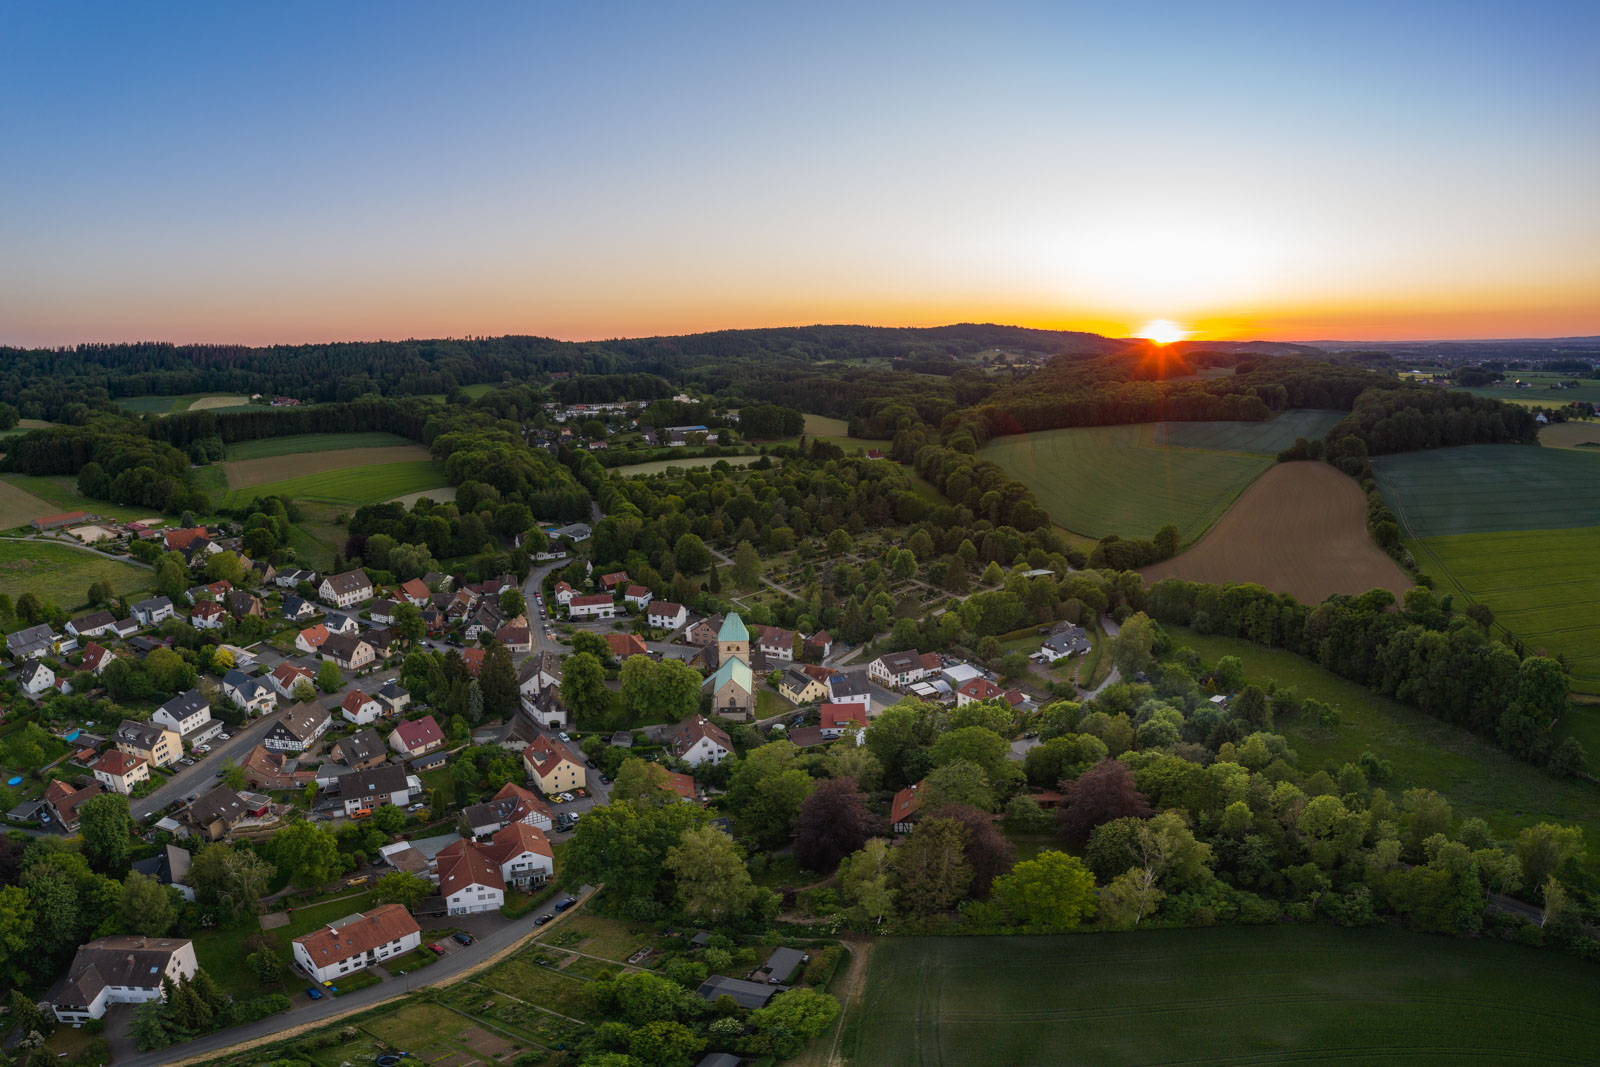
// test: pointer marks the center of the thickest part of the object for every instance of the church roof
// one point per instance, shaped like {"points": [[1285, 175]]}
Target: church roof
{"points": [[733, 629]]}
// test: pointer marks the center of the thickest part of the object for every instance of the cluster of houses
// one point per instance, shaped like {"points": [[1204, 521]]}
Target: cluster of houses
{"points": [[939, 679]]}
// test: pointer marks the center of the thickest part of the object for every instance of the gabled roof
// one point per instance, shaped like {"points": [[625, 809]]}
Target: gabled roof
{"points": [[315, 636], [841, 715], [379, 926], [304, 720], [361, 746], [905, 804], [544, 754], [116, 762], [624, 645], [687, 733], [355, 700], [776, 637], [415, 588], [515, 838], [348, 582], [664, 608], [734, 671], [462, 864], [591, 600], [848, 684], [424, 731], [343, 646], [125, 960], [32, 669], [221, 804], [979, 689]]}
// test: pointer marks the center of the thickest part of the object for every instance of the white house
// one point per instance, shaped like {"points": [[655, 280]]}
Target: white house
{"points": [[360, 708], [120, 772], [153, 611], [776, 644], [36, 677], [251, 693], [123, 969], [208, 615], [387, 783], [352, 945], [341, 624], [189, 716], [849, 689], [697, 741], [287, 676], [592, 606], [92, 625], [564, 593], [347, 589], [638, 597], [665, 615], [469, 881]]}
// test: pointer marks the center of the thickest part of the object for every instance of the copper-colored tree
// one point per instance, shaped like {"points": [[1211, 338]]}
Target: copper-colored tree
{"points": [[1104, 792], [833, 823]]}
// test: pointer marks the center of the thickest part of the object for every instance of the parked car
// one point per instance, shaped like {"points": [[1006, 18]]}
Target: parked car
{"points": [[436, 949], [465, 939], [541, 920], [588, 763], [186, 761], [563, 905], [361, 813], [564, 737], [604, 780], [313, 992], [224, 737]]}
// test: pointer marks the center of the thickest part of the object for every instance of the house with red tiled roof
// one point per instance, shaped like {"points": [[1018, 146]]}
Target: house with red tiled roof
{"points": [[610, 582], [473, 658], [416, 737], [698, 740], [976, 689], [63, 801], [416, 592], [208, 615], [469, 881], [352, 944], [904, 809], [96, 658], [553, 766], [840, 719], [359, 708], [593, 606], [637, 596], [120, 772], [625, 645], [312, 638], [515, 637]]}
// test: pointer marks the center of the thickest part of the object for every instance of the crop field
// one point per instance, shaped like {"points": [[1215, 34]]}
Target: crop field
{"points": [[438, 496], [18, 507], [1484, 488], [1255, 995], [1544, 587], [1270, 437], [167, 405], [350, 486], [63, 574], [1478, 778], [1300, 528], [246, 473], [1099, 480], [296, 444], [1584, 435]]}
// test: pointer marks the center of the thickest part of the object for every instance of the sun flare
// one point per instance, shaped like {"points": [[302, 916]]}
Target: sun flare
{"points": [[1162, 331]]}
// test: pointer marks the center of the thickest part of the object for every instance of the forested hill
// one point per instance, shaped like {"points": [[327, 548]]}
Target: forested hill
{"points": [[43, 382]]}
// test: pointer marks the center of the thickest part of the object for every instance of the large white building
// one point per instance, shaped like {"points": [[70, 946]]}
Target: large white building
{"points": [[123, 969], [357, 942]]}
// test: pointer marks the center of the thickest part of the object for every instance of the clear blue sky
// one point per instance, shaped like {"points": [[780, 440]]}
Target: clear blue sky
{"points": [[290, 172]]}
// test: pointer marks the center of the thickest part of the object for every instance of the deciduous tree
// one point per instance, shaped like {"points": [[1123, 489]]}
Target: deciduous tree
{"points": [[1104, 792], [833, 823], [1053, 891]]}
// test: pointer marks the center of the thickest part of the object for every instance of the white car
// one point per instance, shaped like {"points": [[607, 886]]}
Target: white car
{"points": [[564, 736]]}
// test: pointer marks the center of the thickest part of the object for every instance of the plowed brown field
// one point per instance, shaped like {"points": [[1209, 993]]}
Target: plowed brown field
{"points": [[245, 473], [1299, 529]]}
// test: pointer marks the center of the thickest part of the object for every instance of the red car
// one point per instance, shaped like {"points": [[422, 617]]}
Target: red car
{"points": [[436, 948]]}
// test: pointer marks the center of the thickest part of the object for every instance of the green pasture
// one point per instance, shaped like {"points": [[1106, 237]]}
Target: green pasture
{"points": [[169, 405], [1099, 480], [1245, 995], [1540, 391], [1268, 438], [1478, 778], [351, 486], [61, 492], [658, 465], [1487, 488], [300, 443], [62, 574], [1544, 587]]}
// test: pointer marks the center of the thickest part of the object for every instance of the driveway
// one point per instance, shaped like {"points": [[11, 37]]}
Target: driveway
{"points": [[312, 1012]]}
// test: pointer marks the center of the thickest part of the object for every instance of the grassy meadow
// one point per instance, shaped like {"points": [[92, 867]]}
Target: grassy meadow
{"points": [[1268, 438], [1099, 480], [296, 444], [1484, 488], [1541, 392], [1244, 995], [169, 405], [656, 466], [350, 486], [1542, 584], [62, 574], [61, 494], [1478, 778]]}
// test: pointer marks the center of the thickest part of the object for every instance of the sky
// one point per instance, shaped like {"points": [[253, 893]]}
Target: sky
{"points": [[304, 172]]}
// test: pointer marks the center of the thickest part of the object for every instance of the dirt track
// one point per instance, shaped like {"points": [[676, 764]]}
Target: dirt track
{"points": [[1299, 529], [245, 473]]}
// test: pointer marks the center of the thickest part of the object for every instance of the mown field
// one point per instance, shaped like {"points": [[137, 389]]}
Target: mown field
{"points": [[61, 494], [167, 405], [18, 507], [1544, 586], [1582, 435], [1099, 480], [296, 444], [1483, 488], [62, 574], [1541, 393], [1300, 528], [245, 473], [1270, 437], [1257, 995], [1478, 778], [658, 465], [351, 486]]}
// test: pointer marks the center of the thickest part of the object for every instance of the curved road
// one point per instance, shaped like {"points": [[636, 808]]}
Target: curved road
{"points": [[468, 959]]}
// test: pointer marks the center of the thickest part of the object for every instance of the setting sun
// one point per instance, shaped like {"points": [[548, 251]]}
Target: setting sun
{"points": [[1162, 331]]}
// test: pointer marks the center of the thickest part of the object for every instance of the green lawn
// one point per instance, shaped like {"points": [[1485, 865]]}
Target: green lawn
{"points": [[1490, 488], [656, 466], [63, 575], [296, 444], [1543, 585], [1541, 393], [1479, 778], [62, 492], [1268, 438], [222, 952], [1101, 480], [1255, 995], [352, 486]]}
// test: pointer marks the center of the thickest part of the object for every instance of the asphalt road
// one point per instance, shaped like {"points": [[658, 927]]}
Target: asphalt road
{"points": [[315, 1011]]}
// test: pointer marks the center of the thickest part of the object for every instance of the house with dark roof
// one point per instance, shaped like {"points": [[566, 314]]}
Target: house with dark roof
{"points": [[169, 866], [698, 740], [849, 688], [351, 653], [32, 642], [746, 994], [151, 740], [153, 611], [387, 783], [36, 676], [122, 969], [61, 802], [362, 749], [93, 624], [298, 728], [347, 589], [216, 813], [265, 769]]}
